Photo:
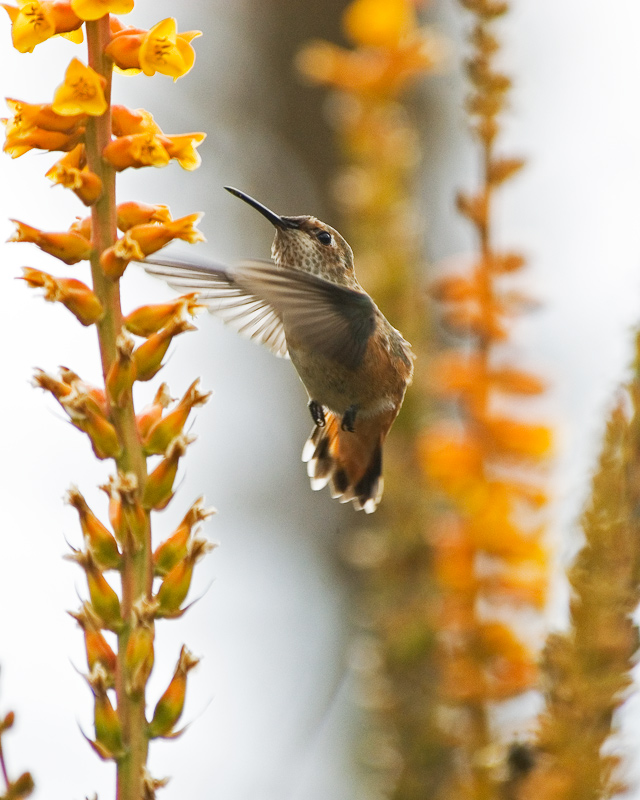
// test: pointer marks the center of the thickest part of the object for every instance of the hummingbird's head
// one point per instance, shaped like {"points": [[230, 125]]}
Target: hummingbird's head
{"points": [[307, 244]]}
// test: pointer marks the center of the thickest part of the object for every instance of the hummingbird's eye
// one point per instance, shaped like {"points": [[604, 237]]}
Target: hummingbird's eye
{"points": [[324, 237]]}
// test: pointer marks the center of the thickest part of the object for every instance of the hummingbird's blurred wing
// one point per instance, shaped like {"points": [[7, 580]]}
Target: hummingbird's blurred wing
{"points": [[261, 301], [247, 314]]}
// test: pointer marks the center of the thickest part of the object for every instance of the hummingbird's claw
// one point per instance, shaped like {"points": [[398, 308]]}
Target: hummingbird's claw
{"points": [[349, 419], [317, 413]]}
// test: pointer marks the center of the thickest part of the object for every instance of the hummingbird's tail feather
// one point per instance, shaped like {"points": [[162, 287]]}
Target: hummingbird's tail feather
{"points": [[350, 462]]}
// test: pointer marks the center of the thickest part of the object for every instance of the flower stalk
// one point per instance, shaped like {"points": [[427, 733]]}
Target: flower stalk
{"points": [[82, 122]]}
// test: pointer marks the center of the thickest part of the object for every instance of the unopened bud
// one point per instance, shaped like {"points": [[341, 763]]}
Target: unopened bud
{"points": [[174, 549], [100, 541], [107, 726], [123, 370], [149, 355], [151, 414], [159, 488], [170, 706], [98, 651], [128, 519], [102, 434], [21, 787], [176, 584], [165, 430], [104, 600], [139, 657]]}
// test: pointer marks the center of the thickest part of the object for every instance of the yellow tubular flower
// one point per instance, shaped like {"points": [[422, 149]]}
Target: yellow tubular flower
{"points": [[95, 9], [31, 24], [183, 148], [166, 51], [81, 92]]}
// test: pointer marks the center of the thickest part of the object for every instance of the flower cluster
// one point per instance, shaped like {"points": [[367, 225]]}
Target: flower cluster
{"points": [[489, 553], [98, 140]]}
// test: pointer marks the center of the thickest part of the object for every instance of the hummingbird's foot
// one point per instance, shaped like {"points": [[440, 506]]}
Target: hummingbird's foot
{"points": [[349, 418], [317, 413]]}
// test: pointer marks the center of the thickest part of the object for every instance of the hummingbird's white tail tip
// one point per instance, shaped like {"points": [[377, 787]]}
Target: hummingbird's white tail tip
{"points": [[349, 462]]}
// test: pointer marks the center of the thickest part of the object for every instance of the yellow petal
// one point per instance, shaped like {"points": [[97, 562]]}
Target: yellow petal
{"points": [[31, 24], [95, 9], [81, 93]]}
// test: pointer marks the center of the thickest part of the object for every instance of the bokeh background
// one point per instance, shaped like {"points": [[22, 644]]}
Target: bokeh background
{"points": [[274, 706]]}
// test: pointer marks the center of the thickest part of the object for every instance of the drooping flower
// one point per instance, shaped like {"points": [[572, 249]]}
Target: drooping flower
{"points": [[82, 92], [35, 21], [164, 50], [161, 49]]}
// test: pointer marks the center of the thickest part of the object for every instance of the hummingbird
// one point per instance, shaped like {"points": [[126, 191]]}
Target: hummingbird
{"points": [[306, 304]]}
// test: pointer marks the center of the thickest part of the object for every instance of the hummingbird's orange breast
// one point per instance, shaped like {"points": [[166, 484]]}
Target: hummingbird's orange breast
{"points": [[377, 384]]}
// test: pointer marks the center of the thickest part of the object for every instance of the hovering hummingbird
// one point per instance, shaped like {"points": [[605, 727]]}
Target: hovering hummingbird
{"points": [[306, 304]]}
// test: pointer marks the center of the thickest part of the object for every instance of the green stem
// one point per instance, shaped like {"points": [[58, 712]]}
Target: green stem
{"points": [[137, 573]]}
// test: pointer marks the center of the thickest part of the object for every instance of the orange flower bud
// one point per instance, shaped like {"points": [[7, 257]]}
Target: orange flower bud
{"points": [[152, 413], [174, 549], [127, 121], [102, 434], [123, 370], [149, 355], [170, 706], [59, 389], [100, 541], [108, 742], [146, 320], [124, 49], [128, 519], [159, 488], [105, 604], [82, 92], [22, 787], [134, 213], [69, 246], [95, 9], [71, 172], [99, 653], [177, 582], [139, 657], [73, 294], [165, 430]]}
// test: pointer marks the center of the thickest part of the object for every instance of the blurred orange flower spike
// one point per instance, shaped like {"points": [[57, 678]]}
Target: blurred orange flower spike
{"points": [[379, 23], [95, 9], [164, 50], [82, 92]]}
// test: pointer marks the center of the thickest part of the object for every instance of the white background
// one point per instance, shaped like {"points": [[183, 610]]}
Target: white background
{"points": [[271, 710]]}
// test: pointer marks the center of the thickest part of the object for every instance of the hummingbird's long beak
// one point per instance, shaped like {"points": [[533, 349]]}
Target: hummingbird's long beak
{"points": [[274, 219]]}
